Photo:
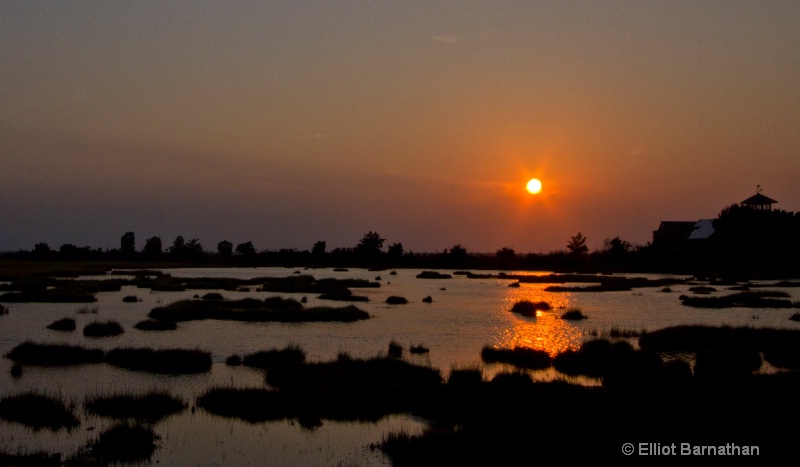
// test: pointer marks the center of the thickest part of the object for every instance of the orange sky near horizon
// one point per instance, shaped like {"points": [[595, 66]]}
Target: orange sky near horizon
{"points": [[284, 124]]}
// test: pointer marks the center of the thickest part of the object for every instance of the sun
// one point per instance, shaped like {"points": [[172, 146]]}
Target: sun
{"points": [[534, 186]]}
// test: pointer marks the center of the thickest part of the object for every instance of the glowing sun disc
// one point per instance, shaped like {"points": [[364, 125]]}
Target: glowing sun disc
{"points": [[534, 186]]}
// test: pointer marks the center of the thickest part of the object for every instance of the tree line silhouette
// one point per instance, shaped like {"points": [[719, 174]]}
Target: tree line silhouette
{"points": [[746, 241]]}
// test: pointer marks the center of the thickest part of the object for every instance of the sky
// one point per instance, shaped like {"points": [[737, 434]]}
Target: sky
{"points": [[288, 123]]}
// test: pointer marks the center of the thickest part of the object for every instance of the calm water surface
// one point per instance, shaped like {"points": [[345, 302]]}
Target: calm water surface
{"points": [[465, 315]]}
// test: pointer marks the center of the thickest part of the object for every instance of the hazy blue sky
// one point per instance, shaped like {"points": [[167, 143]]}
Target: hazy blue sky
{"points": [[284, 123]]}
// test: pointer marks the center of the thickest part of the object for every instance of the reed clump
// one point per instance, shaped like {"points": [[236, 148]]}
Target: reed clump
{"points": [[396, 300], [30, 353], [574, 314], [529, 308], [521, 357], [103, 329], [164, 361], [156, 325], [37, 411], [289, 355], [125, 443], [63, 324], [147, 408]]}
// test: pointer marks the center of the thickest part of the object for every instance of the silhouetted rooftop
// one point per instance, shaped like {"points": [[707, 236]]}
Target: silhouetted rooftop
{"points": [[758, 200]]}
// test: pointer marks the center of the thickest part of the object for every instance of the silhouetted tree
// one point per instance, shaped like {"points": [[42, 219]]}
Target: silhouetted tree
{"points": [[225, 248], [318, 250], [193, 247], [370, 245], [506, 257], [395, 250], [178, 247], [127, 244], [577, 245], [152, 246], [246, 249], [41, 248]]}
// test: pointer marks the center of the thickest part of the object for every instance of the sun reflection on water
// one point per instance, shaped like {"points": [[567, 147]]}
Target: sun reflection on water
{"points": [[547, 331]]}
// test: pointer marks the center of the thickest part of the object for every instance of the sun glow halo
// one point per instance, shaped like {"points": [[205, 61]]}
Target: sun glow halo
{"points": [[534, 186]]}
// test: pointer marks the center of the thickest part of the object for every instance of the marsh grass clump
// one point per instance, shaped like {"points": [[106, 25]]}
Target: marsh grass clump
{"points": [[103, 329], [87, 310], [63, 324], [165, 361], [125, 443], [528, 308], [433, 275], [396, 300], [574, 314], [147, 408], [54, 295], [213, 296], [418, 349], [30, 353], [395, 350], [520, 357], [795, 317], [618, 333], [253, 405], [37, 411], [3, 310], [156, 325], [289, 355], [32, 459], [761, 299], [274, 309], [130, 299], [427, 299], [344, 295], [233, 360], [702, 289]]}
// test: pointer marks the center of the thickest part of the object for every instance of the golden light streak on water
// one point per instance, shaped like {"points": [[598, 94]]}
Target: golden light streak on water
{"points": [[547, 331]]}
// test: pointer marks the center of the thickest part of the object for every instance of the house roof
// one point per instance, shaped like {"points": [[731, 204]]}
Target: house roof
{"points": [[703, 229], [758, 199]]}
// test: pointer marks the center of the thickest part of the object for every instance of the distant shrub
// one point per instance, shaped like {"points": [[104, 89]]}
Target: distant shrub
{"points": [[37, 411], [289, 355], [574, 314], [156, 325], [433, 275], [125, 443], [103, 329], [528, 308], [63, 324], [395, 300], [521, 357], [418, 349], [395, 350], [213, 296]]}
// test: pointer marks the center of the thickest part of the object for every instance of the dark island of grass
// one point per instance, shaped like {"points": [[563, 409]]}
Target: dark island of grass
{"points": [[103, 329], [37, 411], [63, 324], [574, 315], [33, 459], [433, 275], [147, 408], [130, 299], [521, 357], [165, 361], [30, 353], [343, 296], [124, 443], [765, 299], [528, 308], [49, 296], [396, 300], [289, 355], [156, 325], [273, 309], [343, 389]]}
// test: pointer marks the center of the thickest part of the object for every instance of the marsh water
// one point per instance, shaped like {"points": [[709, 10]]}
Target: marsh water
{"points": [[465, 315]]}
